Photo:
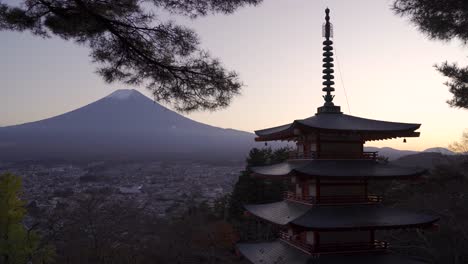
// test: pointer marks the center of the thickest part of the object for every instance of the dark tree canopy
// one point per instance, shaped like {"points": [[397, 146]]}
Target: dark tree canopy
{"points": [[443, 20], [249, 189], [131, 44]]}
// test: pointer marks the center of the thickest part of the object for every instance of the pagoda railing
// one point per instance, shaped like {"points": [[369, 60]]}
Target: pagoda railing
{"points": [[349, 199], [333, 200], [344, 247], [367, 155], [295, 241], [299, 198], [372, 155], [302, 155]]}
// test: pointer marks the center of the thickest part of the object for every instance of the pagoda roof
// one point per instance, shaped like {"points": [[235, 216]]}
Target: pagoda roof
{"points": [[362, 217], [281, 252], [338, 169], [335, 217], [338, 122], [280, 213]]}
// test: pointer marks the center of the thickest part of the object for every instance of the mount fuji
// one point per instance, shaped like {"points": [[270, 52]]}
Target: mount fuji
{"points": [[123, 125]]}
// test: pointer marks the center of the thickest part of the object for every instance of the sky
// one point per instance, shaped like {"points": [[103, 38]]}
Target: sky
{"points": [[386, 69]]}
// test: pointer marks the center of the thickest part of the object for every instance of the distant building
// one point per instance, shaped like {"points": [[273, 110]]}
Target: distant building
{"points": [[328, 215], [130, 190]]}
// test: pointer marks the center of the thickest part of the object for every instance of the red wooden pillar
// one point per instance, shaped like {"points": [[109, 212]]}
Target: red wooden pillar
{"points": [[318, 147], [303, 237], [306, 149], [366, 194], [362, 150], [316, 241], [305, 189]]}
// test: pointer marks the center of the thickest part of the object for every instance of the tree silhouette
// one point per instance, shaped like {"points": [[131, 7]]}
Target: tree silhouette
{"points": [[461, 148], [253, 190], [131, 44], [17, 243], [443, 20]]}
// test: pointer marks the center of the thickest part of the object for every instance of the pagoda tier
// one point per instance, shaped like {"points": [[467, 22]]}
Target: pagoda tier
{"points": [[339, 217], [337, 169], [283, 252], [361, 128]]}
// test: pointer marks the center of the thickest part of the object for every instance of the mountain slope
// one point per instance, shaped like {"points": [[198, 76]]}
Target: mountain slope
{"points": [[427, 160], [390, 153], [440, 150], [125, 124], [394, 154]]}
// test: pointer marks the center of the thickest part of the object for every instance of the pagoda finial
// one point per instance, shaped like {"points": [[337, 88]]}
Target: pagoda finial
{"points": [[327, 27], [327, 32]]}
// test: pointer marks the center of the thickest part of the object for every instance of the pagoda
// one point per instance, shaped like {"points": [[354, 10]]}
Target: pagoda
{"points": [[328, 215]]}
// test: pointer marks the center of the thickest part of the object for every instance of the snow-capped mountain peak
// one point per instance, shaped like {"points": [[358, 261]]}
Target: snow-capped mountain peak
{"points": [[122, 94], [125, 123]]}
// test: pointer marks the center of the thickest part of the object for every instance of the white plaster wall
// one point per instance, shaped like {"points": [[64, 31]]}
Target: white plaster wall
{"points": [[313, 147], [293, 179], [300, 148], [298, 189], [312, 189], [310, 238]]}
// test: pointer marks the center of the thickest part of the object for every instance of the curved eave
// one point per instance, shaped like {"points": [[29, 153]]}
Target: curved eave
{"points": [[388, 135], [272, 252], [361, 217], [410, 174], [339, 218], [349, 122], [278, 170], [338, 169], [279, 213], [365, 135], [339, 123], [275, 133], [281, 252]]}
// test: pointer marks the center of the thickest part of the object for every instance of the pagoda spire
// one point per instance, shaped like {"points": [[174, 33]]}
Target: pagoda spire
{"points": [[328, 77]]}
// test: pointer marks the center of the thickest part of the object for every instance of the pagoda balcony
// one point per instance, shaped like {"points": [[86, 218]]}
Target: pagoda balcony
{"points": [[302, 155], [344, 247], [372, 155], [290, 196], [366, 155], [328, 248], [308, 248], [349, 199], [333, 200]]}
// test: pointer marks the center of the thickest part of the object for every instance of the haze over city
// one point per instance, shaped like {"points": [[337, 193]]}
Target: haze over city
{"points": [[386, 67]]}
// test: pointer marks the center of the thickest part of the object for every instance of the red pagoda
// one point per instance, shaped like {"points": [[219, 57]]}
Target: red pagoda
{"points": [[328, 215]]}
